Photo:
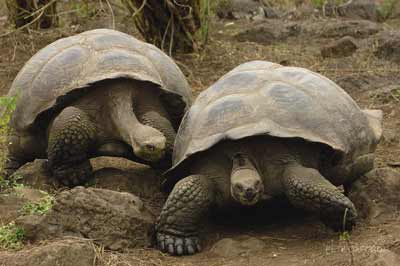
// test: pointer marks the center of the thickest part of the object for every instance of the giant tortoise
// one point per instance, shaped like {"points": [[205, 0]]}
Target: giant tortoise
{"points": [[101, 92], [266, 131]]}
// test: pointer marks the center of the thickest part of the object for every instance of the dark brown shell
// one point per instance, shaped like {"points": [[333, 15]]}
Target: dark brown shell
{"points": [[263, 98], [77, 61]]}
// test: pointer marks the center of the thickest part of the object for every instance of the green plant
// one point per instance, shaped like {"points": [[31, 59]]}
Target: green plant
{"points": [[11, 236], [7, 107], [386, 8], [205, 8], [11, 182], [41, 207]]}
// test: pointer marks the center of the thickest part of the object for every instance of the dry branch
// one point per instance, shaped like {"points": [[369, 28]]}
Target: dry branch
{"points": [[35, 13], [168, 24]]}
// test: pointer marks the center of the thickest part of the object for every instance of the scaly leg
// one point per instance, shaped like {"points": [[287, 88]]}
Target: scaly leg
{"points": [[308, 189], [177, 225], [70, 138]]}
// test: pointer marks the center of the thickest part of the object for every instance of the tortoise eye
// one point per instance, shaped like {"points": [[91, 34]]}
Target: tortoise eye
{"points": [[239, 187]]}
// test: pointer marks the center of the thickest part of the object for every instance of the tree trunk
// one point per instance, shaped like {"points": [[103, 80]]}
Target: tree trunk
{"points": [[38, 13], [168, 24]]}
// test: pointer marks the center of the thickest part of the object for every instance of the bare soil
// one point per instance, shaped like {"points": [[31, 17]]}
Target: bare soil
{"points": [[290, 237]]}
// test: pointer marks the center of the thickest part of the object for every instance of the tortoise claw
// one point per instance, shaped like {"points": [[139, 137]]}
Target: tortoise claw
{"points": [[178, 246]]}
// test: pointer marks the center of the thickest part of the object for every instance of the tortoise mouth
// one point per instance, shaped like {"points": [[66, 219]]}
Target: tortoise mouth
{"points": [[246, 198]]}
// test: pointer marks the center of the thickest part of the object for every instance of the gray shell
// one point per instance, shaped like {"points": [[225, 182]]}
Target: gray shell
{"points": [[77, 61], [263, 98]]}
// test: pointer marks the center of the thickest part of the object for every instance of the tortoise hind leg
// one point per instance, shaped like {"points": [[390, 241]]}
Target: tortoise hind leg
{"points": [[70, 138], [308, 189], [177, 225]]}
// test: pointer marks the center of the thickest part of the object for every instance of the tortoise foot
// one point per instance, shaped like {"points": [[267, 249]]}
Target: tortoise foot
{"points": [[178, 245], [73, 174]]}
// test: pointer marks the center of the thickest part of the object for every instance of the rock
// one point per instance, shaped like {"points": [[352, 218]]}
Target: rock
{"points": [[343, 47], [113, 219], [341, 28], [376, 194], [239, 9], [36, 175], [228, 247], [11, 202], [143, 181], [268, 32], [389, 47], [359, 9], [110, 173], [66, 252]]}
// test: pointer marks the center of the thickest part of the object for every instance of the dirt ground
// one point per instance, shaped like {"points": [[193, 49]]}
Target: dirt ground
{"points": [[290, 237]]}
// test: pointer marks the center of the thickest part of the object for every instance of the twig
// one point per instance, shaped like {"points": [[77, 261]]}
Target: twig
{"points": [[394, 96], [112, 14], [23, 27], [140, 8], [39, 11]]}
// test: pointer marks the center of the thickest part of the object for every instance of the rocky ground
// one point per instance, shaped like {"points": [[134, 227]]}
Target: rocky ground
{"points": [[109, 221]]}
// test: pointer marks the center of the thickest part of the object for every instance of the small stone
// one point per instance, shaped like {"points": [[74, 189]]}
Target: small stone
{"points": [[343, 47]]}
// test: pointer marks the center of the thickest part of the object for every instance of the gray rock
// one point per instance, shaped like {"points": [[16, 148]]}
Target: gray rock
{"points": [[110, 173], [268, 32], [341, 28], [343, 47], [376, 195], [240, 9], [11, 202], [228, 247], [35, 174], [113, 219], [389, 46], [359, 9], [67, 252]]}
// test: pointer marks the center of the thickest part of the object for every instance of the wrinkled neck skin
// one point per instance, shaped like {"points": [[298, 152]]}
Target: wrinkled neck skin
{"points": [[150, 111], [267, 159], [147, 141]]}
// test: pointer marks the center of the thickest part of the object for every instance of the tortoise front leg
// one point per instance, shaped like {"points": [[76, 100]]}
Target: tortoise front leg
{"points": [[177, 225], [70, 138], [308, 189]]}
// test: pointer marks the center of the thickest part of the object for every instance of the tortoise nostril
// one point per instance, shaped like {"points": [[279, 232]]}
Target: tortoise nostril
{"points": [[150, 147], [249, 194]]}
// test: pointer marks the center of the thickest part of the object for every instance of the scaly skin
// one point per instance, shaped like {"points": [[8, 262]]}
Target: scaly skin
{"points": [[306, 188], [70, 139], [177, 225]]}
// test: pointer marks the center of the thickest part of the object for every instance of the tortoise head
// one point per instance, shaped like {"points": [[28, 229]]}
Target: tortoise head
{"points": [[246, 184]]}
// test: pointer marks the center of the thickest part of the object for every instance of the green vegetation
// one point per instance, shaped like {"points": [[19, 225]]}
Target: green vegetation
{"points": [[11, 182], [386, 9], [40, 208], [7, 107], [11, 236]]}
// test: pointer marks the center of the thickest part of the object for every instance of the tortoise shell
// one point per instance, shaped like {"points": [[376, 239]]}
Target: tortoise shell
{"points": [[75, 62], [263, 98]]}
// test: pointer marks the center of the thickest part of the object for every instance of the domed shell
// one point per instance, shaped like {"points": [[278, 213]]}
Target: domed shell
{"points": [[263, 98], [77, 61]]}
